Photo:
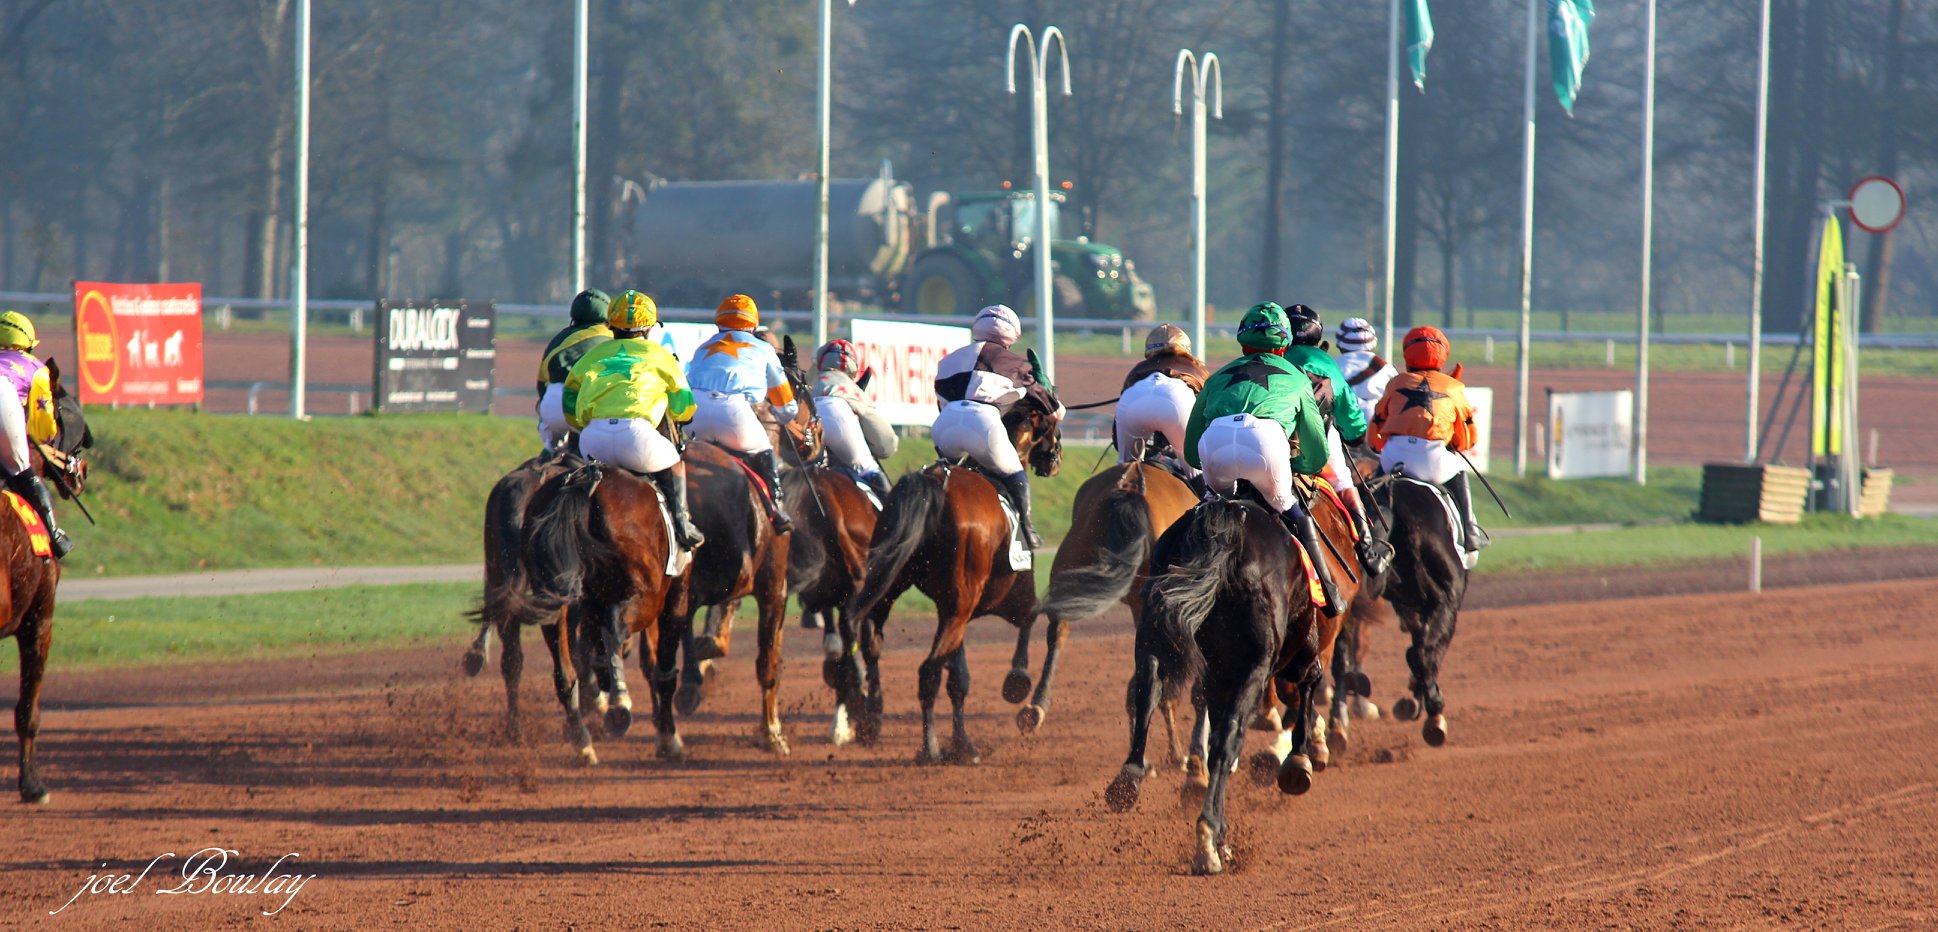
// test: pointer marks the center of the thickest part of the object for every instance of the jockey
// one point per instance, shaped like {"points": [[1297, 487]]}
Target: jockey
{"points": [[587, 330], [731, 372], [1366, 371], [28, 418], [975, 386], [857, 436], [1345, 424], [624, 396], [1423, 418], [1257, 420], [1158, 394]]}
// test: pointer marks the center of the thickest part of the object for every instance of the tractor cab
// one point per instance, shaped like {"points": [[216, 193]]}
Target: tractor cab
{"points": [[979, 252]]}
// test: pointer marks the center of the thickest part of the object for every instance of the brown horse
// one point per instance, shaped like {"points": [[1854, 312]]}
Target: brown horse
{"points": [[1105, 559], [27, 602], [1429, 581], [593, 539], [943, 531], [833, 523]]}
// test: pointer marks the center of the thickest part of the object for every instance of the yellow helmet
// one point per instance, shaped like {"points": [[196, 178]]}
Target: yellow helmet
{"points": [[17, 332], [632, 311], [737, 312]]}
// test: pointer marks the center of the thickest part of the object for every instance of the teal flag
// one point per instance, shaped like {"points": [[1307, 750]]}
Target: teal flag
{"points": [[1568, 46], [1419, 40]]}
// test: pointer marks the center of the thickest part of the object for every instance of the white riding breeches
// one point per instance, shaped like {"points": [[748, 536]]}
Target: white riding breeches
{"points": [[1240, 446], [13, 424], [552, 426], [728, 419], [1156, 404], [975, 430], [1421, 458], [1338, 470], [841, 434], [629, 442]]}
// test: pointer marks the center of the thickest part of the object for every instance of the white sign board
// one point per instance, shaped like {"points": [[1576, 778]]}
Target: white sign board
{"points": [[1483, 402], [904, 358], [1590, 433], [684, 339]]}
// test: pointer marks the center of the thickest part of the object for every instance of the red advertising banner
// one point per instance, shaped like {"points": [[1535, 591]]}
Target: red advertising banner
{"points": [[138, 343]]}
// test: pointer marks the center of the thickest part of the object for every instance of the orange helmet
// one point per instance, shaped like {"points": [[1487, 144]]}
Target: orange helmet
{"points": [[1426, 348], [738, 312]]}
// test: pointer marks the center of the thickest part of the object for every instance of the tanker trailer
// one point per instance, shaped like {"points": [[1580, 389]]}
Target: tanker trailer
{"points": [[698, 241]]}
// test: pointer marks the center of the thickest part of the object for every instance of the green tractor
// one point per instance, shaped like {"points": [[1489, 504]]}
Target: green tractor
{"points": [[979, 254]]}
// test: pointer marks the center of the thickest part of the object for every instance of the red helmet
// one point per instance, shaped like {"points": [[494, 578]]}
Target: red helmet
{"points": [[1426, 348]]}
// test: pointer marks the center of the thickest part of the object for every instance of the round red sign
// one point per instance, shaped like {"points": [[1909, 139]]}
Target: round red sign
{"points": [[98, 344]]}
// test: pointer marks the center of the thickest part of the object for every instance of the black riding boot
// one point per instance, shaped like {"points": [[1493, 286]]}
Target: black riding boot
{"points": [[769, 468], [29, 487], [1374, 553], [1018, 489], [1463, 498], [1299, 522], [878, 482], [671, 483]]}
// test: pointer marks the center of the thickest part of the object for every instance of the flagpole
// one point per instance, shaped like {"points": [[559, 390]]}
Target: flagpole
{"points": [[1752, 441], [1527, 251], [1392, 163], [1648, 256]]}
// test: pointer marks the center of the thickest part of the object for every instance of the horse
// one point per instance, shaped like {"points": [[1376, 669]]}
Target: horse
{"points": [[1429, 581], [1105, 559], [27, 602], [943, 531], [593, 539], [1228, 605], [833, 523]]}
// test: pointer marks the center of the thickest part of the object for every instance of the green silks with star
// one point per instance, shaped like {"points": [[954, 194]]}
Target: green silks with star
{"points": [[1568, 22]]}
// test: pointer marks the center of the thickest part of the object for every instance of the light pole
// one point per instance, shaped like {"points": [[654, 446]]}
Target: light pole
{"points": [[1640, 416], [1040, 140], [578, 144], [821, 174], [299, 266], [1752, 442], [1204, 75]]}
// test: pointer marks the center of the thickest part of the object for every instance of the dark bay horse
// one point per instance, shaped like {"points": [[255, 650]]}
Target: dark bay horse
{"points": [[943, 532], [1429, 580], [504, 574], [593, 540], [27, 601], [1116, 519], [833, 523]]}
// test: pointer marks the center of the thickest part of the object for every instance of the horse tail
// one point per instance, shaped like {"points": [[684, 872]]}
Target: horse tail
{"points": [[564, 542], [1177, 601], [1123, 546], [914, 506], [807, 554], [504, 526]]}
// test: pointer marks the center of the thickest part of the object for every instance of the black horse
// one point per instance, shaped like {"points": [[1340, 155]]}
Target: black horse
{"points": [[1228, 606], [1427, 583]]}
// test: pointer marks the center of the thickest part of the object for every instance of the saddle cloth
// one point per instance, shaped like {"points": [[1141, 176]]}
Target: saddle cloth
{"points": [[677, 560], [1467, 559], [867, 492], [37, 536]]}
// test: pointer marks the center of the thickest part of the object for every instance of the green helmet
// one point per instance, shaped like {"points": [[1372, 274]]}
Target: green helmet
{"points": [[590, 307], [1265, 327]]}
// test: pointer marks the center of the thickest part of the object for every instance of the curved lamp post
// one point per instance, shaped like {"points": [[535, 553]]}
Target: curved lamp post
{"points": [[1040, 150], [1205, 78]]}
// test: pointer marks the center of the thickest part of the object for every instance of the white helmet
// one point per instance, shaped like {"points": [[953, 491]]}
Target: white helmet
{"points": [[1356, 333], [996, 324]]}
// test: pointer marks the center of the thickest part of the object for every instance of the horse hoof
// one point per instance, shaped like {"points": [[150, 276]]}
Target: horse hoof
{"points": [[928, 755], [775, 743], [811, 622], [686, 700], [1435, 730], [868, 731], [36, 796], [1337, 743], [831, 646], [705, 649], [1208, 861], [1029, 718], [1295, 777], [1268, 721], [1016, 686], [962, 752], [1121, 794], [672, 749], [1365, 709], [619, 719], [472, 664], [1321, 757], [588, 756], [1405, 709], [601, 702], [1264, 765], [1359, 684]]}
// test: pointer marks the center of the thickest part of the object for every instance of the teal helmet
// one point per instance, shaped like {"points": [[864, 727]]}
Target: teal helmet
{"points": [[1265, 327]]}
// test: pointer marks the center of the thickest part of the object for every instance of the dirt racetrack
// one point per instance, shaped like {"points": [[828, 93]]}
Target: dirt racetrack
{"points": [[1680, 761]]}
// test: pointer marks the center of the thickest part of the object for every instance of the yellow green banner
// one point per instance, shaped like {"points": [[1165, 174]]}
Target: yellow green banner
{"points": [[1826, 335]]}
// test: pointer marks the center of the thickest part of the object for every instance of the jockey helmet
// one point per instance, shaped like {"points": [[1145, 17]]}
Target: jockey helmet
{"points": [[996, 324], [632, 311], [17, 332], [1264, 327], [1356, 334], [840, 356], [590, 306], [738, 312], [1426, 348], [1307, 328], [1167, 338]]}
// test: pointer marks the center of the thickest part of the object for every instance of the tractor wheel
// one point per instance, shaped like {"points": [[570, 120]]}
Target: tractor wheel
{"points": [[943, 285]]}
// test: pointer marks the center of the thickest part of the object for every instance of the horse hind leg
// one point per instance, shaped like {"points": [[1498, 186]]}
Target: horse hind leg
{"points": [[33, 641], [1142, 700], [511, 666], [1016, 684], [1433, 651], [771, 586], [1227, 704], [1030, 717], [473, 662], [961, 749], [565, 682]]}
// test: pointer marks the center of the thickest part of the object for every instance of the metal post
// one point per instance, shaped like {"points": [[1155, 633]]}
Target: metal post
{"points": [[578, 144], [1206, 78], [1527, 251], [299, 272], [824, 101], [1754, 414], [1756, 564], [1641, 414], [1393, 33], [1040, 150], [1848, 462]]}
